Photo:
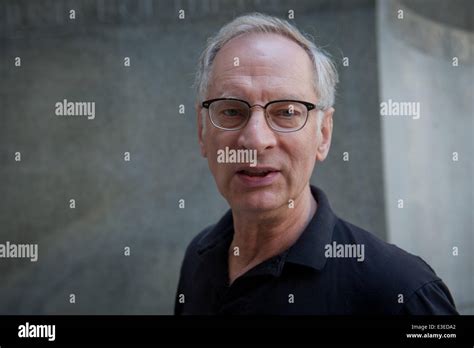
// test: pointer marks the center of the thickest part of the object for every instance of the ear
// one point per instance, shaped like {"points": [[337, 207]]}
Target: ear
{"points": [[325, 135], [201, 130]]}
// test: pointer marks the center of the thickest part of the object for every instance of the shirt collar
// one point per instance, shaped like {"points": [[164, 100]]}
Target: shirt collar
{"points": [[309, 248], [217, 233]]}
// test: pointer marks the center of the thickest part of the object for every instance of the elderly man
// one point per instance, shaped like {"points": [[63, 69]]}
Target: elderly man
{"points": [[264, 88]]}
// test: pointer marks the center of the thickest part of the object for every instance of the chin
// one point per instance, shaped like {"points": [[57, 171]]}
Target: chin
{"points": [[256, 201]]}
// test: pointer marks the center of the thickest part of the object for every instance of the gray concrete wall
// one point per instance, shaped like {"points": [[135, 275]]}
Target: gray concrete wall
{"points": [[135, 203], [416, 64]]}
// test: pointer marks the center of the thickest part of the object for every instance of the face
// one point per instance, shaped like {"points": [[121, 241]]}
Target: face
{"points": [[270, 67]]}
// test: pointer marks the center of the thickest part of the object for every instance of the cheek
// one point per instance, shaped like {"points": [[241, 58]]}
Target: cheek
{"points": [[212, 143], [302, 152], [212, 160], [215, 142]]}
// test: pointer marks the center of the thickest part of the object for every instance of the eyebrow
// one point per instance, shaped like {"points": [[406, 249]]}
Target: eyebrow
{"points": [[282, 97]]}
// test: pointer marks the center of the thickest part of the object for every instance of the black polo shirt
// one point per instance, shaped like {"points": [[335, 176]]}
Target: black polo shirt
{"points": [[313, 276]]}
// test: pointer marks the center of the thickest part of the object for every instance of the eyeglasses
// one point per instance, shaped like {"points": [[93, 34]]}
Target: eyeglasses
{"points": [[281, 115]]}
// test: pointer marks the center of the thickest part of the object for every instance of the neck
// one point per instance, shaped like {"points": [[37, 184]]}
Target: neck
{"points": [[259, 237]]}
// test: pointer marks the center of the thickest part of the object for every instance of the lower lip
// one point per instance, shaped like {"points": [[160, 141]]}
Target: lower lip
{"points": [[256, 181]]}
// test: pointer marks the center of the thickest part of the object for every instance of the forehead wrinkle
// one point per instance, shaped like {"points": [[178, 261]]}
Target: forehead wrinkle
{"points": [[248, 94], [267, 87], [248, 81], [261, 65], [258, 70]]}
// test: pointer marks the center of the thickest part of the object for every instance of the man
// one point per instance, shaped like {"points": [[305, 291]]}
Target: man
{"points": [[264, 88]]}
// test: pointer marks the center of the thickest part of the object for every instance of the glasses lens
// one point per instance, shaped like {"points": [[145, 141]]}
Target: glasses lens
{"points": [[229, 114], [287, 116]]}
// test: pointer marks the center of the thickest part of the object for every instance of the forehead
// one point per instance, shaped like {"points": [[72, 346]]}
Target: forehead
{"points": [[265, 64]]}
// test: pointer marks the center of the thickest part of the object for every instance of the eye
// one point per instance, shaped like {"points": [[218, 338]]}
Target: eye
{"points": [[231, 112], [286, 112]]}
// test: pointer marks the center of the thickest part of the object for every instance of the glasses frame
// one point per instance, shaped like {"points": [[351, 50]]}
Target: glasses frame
{"points": [[309, 106]]}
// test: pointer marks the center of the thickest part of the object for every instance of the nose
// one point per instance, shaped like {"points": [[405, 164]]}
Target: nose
{"points": [[256, 134]]}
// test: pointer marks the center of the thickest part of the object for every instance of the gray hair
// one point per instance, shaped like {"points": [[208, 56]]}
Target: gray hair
{"points": [[325, 74]]}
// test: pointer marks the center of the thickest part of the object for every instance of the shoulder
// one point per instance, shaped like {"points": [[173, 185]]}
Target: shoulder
{"points": [[390, 275], [196, 245], [191, 259], [383, 258], [188, 268]]}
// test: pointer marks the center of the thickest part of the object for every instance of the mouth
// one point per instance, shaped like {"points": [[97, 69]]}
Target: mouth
{"points": [[257, 176], [256, 172]]}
